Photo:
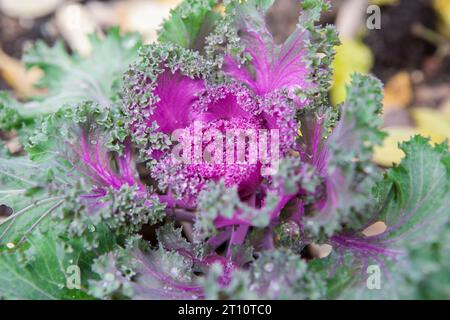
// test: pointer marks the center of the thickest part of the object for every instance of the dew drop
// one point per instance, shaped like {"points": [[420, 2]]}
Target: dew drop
{"points": [[109, 277], [254, 287], [174, 272], [269, 267]]}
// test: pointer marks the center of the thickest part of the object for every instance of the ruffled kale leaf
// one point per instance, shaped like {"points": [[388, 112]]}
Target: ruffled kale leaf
{"points": [[49, 268], [244, 235], [166, 76], [428, 274], [277, 274], [76, 128], [415, 207], [141, 272], [81, 181], [221, 206], [343, 158], [189, 23], [173, 270], [72, 79], [272, 67], [413, 202], [10, 118]]}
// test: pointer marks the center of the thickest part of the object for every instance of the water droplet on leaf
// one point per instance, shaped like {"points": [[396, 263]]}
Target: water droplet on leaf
{"points": [[269, 267]]}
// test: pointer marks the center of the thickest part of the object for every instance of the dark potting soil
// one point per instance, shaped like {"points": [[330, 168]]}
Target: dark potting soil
{"points": [[16, 35], [395, 46]]}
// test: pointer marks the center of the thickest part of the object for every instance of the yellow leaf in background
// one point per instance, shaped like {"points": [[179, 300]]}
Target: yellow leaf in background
{"points": [[389, 153], [18, 78], [398, 92], [220, 8], [445, 109], [383, 2], [442, 7], [432, 123], [352, 56]]}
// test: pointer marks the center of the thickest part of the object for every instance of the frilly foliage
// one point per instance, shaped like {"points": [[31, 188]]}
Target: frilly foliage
{"points": [[86, 194]]}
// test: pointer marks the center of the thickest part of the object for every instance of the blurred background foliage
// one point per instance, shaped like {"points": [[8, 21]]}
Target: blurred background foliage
{"points": [[410, 53]]}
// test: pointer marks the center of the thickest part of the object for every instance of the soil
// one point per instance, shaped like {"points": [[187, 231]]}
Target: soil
{"points": [[395, 46], [282, 18], [16, 35]]}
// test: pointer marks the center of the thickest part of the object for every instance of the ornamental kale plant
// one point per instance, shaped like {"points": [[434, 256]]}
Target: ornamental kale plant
{"points": [[210, 165]]}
